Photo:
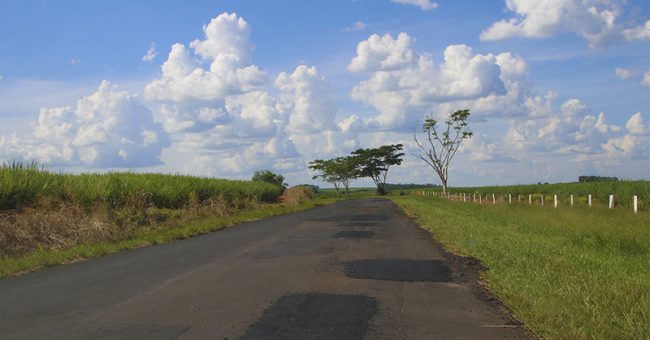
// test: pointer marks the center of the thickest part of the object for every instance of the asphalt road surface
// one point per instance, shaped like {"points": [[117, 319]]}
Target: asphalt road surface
{"points": [[355, 269]]}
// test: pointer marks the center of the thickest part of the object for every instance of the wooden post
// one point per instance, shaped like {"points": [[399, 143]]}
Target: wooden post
{"points": [[519, 198], [530, 199], [509, 199], [494, 200], [590, 201], [542, 198], [611, 201], [636, 204], [555, 201], [474, 197], [480, 199], [572, 200], [464, 198]]}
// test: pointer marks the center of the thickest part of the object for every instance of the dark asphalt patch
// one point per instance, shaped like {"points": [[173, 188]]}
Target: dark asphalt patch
{"points": [[315, 316], [355, 234], [371, 217], [357, 224], [399, 270], [355, 218]]}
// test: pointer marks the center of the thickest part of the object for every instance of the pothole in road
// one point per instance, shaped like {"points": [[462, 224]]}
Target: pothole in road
{"points": [[398, 270], [322, 316], [357, 224], [354, 234]]}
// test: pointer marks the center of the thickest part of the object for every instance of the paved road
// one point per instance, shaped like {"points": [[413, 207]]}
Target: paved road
{"points": [[354, 269]]}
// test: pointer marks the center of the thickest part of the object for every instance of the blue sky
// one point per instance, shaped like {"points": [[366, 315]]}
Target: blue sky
{"points": [[280, 83]]}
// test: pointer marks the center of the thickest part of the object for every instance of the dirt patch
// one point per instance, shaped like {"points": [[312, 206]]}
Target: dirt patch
{"points": [[399, 270], [355, 234], [357, 224], [321, 316]]}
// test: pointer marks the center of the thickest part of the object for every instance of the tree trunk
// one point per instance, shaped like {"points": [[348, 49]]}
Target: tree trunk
{"points": [[444, 185]]}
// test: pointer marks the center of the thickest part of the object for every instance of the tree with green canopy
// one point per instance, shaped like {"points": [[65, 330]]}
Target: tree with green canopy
{"points": [[376, 162], [338, 171], [442, 146], [269, 177]]}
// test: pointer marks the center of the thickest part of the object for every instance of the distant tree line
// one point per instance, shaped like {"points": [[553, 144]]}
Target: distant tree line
{"points": [[372, 163], [585, 179], [405, 186]]}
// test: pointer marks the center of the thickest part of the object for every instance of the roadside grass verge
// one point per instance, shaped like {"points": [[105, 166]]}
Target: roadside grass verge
{"points": [[148, 236], [567, 273]]}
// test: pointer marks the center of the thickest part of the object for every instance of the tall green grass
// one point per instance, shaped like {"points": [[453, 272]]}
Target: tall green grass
{"points": [[600, 191], [25, 184]]}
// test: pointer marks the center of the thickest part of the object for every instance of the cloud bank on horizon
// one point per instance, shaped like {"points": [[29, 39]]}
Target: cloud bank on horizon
{"points": [[212, 111]]}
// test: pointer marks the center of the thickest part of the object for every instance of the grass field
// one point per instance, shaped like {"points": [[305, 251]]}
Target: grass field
{"points": [[566, 273], [600, 191], [26, 184], [48, 218]]}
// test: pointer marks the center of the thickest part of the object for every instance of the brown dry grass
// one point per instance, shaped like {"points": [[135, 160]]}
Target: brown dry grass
{"points": [[298, 194], [56, 224]]}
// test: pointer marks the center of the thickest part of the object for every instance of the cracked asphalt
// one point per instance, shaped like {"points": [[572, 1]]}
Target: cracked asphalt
{"points": [[351, 270]]}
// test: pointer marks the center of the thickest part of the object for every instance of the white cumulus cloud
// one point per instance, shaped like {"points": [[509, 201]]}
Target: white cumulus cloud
{"points": [[404, 84], [230, 119], [572, 130], [594, 20], [226, 51], [106, 129]]}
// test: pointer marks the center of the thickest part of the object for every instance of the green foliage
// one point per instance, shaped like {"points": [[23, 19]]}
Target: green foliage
{"points": [[338, 171], [567, 273], [375, 163], [269, 177], [441, 146], [405, 186], [583, 179], [22, 185]]}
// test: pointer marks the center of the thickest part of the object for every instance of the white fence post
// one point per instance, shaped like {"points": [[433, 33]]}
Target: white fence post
{"points": [[474, 198], [590, 200], [519, 198], [530, 199], [571, 199], [555, 201], [464, 198], [636, 204], [611, 201], [542, 198], [480, 199], [509, 199], [494, 200]]}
